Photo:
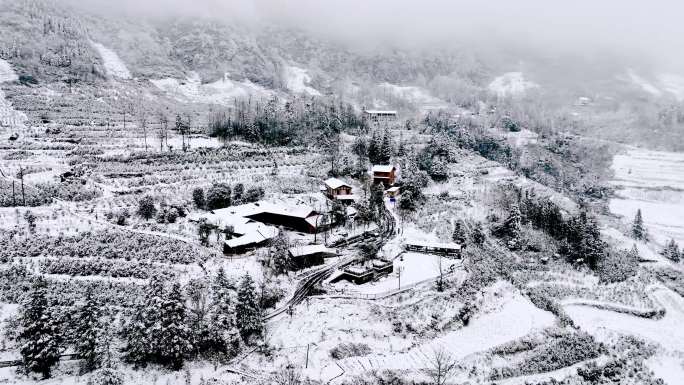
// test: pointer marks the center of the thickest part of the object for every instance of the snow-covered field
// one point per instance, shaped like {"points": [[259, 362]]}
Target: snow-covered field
{"points": [[511, 84], [297, 80], [515, 318], [113, 64], [224, 91], [652, 181], [667, 332]]}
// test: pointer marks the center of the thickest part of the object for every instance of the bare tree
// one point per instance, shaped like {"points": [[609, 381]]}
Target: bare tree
{"points": [[288, 375], [443, 366], [142, 120], [163, 130]]}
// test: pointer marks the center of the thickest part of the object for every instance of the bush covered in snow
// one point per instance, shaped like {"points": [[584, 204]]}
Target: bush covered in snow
{"points": [[98, 266], [349, 349]]}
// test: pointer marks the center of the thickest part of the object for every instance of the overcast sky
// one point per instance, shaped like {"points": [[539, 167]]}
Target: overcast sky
{"points": [[653, 27]]}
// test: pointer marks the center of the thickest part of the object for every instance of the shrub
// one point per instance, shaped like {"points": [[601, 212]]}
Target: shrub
{"points": [[198, 198], [349, 349], [146, 207], [218, 196], [105, 376]]}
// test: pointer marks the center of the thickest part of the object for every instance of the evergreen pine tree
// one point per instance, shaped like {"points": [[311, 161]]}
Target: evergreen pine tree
{"points": [[279, 250], [248, 312], [459, 234], [638, 230], [385, 149], [143, 330], [438, 169], [89, 330], [175, 334], [40, 336], [223, 339], [671, 251], [374, 148], [478, 234]]}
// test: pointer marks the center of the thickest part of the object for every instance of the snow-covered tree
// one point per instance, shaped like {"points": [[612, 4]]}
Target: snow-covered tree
{"points": [[671, 251], [198, 197], [638, 229], [223, 337], [438, 169], [459, 235], [40, 336], [175, 335], [248, 312], [88, 334], [279, 254], [385, 153], [477, 234], [142, 330]]}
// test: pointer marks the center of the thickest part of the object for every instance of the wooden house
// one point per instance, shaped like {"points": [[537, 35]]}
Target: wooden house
{"points": [[385, 174], [335, 187]]}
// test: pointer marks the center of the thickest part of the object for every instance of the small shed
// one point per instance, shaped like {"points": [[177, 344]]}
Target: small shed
{"points": [[310, 255], [392, 192]]}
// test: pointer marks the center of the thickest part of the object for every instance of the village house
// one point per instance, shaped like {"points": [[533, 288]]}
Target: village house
{"points": [[310, 255], [363, 273], [335, 187], [385, 174], [379, 116]]}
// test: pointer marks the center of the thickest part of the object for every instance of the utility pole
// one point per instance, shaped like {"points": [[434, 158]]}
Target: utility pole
{"points": [[14, 198]]}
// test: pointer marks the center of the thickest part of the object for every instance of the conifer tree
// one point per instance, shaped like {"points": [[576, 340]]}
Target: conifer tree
{"points": [[248, 312], [671, 251], [279, 250], [478, 234], [89, 331], [638, 230], [223, 339], [40, 336], [374, 148], [175, 334], [143, 330], [385, 153], [459, 234]]}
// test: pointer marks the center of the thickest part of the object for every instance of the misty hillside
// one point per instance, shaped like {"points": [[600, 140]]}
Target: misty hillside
{"points": [[201, 61]]}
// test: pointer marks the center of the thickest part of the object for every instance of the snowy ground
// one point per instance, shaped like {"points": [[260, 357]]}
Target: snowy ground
{"points": [[414, 267], [7, 74], [113, 64], [297, 80], [652, 181], [224, 91], [515, 317], [511, 84], [666, 332]]}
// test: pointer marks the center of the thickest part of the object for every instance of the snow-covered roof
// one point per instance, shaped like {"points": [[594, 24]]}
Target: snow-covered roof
{"points": [[381, 112], [393, 189], [383, 168], [351, 211], [310, 249], [259, 235], [335, 183]]}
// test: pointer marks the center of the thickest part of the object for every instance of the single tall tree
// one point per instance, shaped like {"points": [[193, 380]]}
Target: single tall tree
{"points": [[175, 334], [88, 334], [638, 229], [248, 312], [40, 336]]}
